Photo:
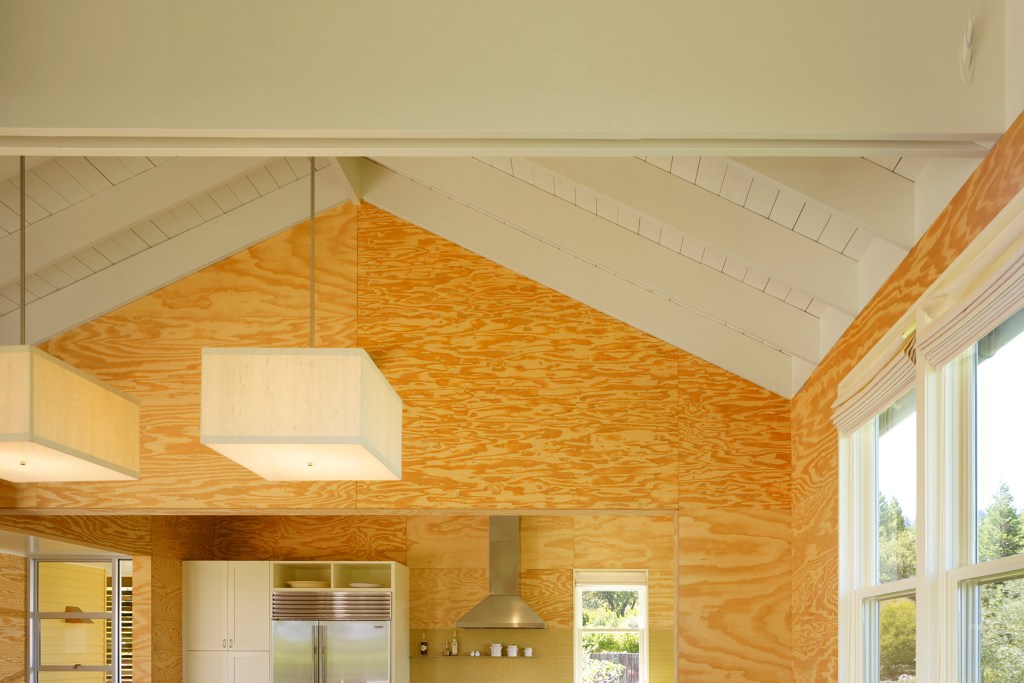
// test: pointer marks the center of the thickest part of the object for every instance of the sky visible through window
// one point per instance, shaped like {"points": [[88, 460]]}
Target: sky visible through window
{"points": [[1000, 446]]}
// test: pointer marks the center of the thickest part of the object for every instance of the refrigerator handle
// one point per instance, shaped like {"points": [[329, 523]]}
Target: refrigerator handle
{"points": [[315, 673], [323, 664]]}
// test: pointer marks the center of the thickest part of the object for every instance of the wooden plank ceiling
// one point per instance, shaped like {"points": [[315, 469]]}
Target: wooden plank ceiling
{"points": [[755, 264]]}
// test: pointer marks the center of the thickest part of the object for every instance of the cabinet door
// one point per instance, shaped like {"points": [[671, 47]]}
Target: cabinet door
{"points": [[249, 667], [206, 666], [206, 605], [249, 627]]}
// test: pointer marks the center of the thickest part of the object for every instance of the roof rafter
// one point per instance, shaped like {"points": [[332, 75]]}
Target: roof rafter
{"points": [[717, 222], [878, 199], [101, 216]]}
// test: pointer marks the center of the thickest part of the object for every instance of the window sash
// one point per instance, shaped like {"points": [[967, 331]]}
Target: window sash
{"points": [[590, 580]]}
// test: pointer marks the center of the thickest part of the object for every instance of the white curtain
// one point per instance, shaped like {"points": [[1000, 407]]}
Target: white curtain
{"points": [[954, 331], [859, 403]]}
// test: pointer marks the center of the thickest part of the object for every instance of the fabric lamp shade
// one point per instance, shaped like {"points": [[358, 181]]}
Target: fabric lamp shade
{"points": [[310, 414], [58, 424]]}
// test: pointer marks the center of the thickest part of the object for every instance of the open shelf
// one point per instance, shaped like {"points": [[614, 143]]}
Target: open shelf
{"points": [[368, 576], [319, 572], [344, 574]]}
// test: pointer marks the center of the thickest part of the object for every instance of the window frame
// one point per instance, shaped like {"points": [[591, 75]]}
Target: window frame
{"points": [[616, 580], [36, 617], [861, 589], [948, 576]]}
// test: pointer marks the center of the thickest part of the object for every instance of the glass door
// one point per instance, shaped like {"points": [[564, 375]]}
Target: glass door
{"points": [[76, 609]]}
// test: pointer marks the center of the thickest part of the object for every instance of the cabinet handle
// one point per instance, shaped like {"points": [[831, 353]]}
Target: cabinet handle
{"points": [[224, 643], [231, 642]]}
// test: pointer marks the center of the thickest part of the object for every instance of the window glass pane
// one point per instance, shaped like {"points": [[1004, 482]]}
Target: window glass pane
{"points": [[896, 468], [1002, 631], [999, 448], [611, 633], [73, 586], [66, 642], [611, 609], [125, 567], [607, 659], [897, 639]]}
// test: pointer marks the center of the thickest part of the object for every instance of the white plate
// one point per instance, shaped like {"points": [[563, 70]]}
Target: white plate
{"points": [[365, 585], [309, 584]]}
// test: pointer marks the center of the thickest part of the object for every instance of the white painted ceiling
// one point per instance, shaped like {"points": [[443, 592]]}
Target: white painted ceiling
{"points": [[756, 264], [737, 181]]}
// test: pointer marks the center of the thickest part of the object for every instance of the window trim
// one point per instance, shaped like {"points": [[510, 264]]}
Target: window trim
{"points": [[988, 273], [34, 665], [616, 579]]}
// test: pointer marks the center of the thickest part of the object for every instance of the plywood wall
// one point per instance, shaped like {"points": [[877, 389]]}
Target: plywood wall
{"points": [[13, 612], [815, 443], [516, 398]]}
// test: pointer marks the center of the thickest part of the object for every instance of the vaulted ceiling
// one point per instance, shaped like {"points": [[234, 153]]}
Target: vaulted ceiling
{"points": [[736, 183], [756, 264]]}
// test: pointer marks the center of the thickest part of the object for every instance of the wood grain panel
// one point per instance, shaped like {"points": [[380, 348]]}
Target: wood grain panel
{"points": [[142, 618], [269, 279], [174, 539], [734, 440], [815, 444], [662, 590], [546, 542], [446, 542], [369, 537], [13, 613], [120, 534], [439, 597], [549, 593], [734, 595], [9, 494], [532, 375], [627, 542]]}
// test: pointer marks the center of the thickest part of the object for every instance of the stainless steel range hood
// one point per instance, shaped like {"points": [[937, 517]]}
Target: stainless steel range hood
{"points": [[503, 608]]}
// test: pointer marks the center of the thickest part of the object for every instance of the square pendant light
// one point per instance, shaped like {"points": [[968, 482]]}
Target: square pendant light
{"points": [[58, 424], [309, 414]]}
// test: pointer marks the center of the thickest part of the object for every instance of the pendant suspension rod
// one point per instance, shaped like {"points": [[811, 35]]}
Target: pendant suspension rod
{"points": [[22, 257], [312, 250]]}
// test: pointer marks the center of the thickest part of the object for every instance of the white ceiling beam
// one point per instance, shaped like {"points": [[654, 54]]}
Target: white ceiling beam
{"points": [[170, 261], [621, 70], [131, 143], [574, 277], [874, 197], [350, 171], [716, 222], [619, 250], [101, 216]]}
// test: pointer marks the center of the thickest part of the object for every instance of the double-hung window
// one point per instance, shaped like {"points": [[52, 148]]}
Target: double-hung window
{"points": [[931, 483], [882, 602], [610, 626], [987, 579]]}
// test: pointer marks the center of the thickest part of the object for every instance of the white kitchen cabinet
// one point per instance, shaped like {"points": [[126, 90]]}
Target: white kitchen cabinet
{"points": [[211, 666], [227, 621]]}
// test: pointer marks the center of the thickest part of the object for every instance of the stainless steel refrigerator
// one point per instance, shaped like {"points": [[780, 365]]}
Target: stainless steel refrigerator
{"points": [[341, 648]]}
